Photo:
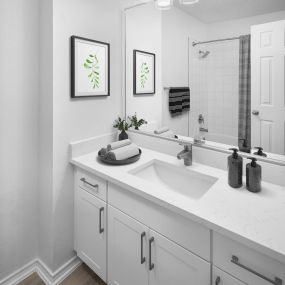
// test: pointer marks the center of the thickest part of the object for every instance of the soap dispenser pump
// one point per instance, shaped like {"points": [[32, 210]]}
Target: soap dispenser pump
{"points": [[253, 176], [235, 166]]}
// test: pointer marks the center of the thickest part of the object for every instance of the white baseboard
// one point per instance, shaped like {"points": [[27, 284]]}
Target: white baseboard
{"points": [[38, 266], [20, 274]]}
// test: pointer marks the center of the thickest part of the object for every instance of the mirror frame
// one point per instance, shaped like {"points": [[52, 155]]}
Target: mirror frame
{"points": [[209, 145]]}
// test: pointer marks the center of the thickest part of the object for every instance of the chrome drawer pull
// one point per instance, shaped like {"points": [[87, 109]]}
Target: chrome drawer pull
{"points": [[101, 229], [277, 281], [88, 183], [151, 265], [142, 255]]}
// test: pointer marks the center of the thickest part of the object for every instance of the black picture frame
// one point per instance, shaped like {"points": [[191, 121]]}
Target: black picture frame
{"points": [[135, 73], [74, 92]]}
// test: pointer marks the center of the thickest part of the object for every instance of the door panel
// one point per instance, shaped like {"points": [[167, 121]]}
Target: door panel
{"points": [[268, 88], [127, 245], [91, 232], [172, 264]]}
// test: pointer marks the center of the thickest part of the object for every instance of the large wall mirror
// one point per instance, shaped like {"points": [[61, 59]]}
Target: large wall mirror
{"points": [[219, 72]]}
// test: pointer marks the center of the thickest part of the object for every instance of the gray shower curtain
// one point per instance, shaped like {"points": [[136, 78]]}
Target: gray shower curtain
{"points": [[244, 128]]}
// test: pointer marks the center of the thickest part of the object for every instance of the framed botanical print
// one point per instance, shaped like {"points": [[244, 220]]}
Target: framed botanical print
{"points": [[144, 72], [90, 68]]}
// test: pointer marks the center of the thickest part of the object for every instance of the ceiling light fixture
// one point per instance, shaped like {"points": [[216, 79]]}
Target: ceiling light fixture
{"points": [[167, 4], [163, 4], [188, 2]]}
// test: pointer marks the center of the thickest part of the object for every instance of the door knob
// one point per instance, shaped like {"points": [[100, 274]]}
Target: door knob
{"points": [[255, 112]]}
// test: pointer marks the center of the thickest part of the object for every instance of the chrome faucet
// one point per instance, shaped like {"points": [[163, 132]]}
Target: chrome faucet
{"points": [[186, 154]]}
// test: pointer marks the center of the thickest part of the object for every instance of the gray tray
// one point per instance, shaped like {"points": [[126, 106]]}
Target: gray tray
{"points": [[121, 162]]}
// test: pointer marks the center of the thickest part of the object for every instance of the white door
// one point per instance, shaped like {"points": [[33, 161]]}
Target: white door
{"points": [[127, 250], [91, 233], [268, 94], [222, 278], [171, 264]]}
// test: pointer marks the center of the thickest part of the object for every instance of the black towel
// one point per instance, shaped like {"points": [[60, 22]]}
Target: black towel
{"points": [[179, 100]]}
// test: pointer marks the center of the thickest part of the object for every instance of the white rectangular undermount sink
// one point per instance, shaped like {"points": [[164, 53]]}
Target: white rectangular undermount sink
{"points": [[183, 181]]}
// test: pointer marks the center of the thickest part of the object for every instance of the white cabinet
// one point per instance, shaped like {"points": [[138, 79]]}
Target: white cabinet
{"points": [[90, 233], [183, 231], [139, 255], [171, 264], [151, 245], [127, 249], [222, 278]]}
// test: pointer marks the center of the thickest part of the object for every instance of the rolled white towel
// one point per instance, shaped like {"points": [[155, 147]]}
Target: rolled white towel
{"points": [[123, 152], [116, 145], [168, 134], [161, 130]]}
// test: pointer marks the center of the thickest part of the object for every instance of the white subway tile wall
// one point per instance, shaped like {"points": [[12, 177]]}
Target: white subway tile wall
{"points": [[215, 89]]}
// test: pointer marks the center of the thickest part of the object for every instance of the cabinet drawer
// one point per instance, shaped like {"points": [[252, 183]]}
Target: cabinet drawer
{"points": [[91, 183], [192, 236], [250, 265]]}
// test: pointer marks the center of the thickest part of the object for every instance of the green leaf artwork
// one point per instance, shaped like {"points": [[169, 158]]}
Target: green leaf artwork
{"points": [[92, 65], [144, 74]]}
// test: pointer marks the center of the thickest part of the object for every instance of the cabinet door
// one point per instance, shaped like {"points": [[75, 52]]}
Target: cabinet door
{"points": [[222, 278], [171, 264], [91, 232], [127, 249]]}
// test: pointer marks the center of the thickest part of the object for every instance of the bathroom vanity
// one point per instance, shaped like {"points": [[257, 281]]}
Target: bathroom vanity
{"points": [[159, 222]]}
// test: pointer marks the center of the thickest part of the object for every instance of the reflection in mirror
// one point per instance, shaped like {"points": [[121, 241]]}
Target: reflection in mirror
{"points": [[219, 72]]}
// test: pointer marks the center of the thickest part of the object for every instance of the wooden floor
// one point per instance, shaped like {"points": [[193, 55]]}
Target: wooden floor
{"points": [[34, 279], [81, 276]]}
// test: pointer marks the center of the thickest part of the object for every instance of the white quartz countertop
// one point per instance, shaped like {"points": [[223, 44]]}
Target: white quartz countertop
{"points": [[257, 220]]}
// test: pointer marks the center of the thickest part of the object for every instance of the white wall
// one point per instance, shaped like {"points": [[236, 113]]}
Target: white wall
{"points": [[46, 134], [177, 29], [241, 26], [38, 120], [19, 100], [143, 32], [78, 119]]}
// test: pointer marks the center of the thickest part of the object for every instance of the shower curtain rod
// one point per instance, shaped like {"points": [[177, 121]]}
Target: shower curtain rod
{"points": [[213, 41]]}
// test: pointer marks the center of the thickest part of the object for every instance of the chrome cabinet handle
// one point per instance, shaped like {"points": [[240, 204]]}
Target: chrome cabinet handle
{"points": [[277, 280], [151, 265], [255, 112], [142, 255], [101, 230], [218, 280], [88, 183]]}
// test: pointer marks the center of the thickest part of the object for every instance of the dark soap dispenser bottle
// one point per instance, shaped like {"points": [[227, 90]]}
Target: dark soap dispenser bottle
{"points": [[253, 176], [235, 169]]}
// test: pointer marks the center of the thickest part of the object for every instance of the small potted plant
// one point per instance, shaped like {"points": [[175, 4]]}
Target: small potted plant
{"points": [[122, 125], [135, 122]]}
